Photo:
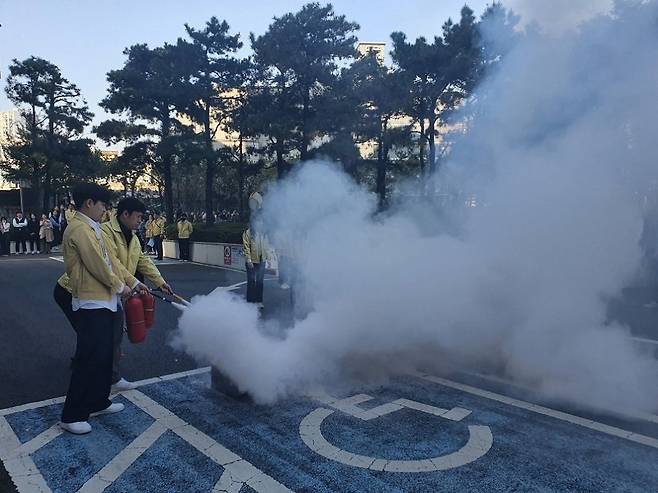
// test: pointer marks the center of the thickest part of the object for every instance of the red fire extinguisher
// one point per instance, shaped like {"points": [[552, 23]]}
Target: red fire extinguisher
{"points": [[149, 309], [134, 308]]}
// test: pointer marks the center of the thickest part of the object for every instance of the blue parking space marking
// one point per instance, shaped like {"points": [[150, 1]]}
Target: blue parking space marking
{"points": [[152, 472], [530, 451], [28, 424], [67, 462], [178, 434]]}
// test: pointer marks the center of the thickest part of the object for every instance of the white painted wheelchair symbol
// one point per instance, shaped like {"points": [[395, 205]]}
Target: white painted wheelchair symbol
{"points": [[479, 441]]}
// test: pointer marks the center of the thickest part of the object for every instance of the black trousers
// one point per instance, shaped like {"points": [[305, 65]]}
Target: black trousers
{"points": [[63, 298], [4, 244], [255, 277], [158, 245], [184, 247], [91, 378], [23, 243]]}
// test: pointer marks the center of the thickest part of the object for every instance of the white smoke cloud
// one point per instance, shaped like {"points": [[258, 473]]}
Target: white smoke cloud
{"points": [[560, 148]]}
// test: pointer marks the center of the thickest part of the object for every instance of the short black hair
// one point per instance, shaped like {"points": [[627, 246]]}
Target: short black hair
{"points": [[130, 204], [86, 191]]}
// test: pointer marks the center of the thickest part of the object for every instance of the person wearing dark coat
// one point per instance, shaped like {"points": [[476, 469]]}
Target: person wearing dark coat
{"points": [[33, 234]]}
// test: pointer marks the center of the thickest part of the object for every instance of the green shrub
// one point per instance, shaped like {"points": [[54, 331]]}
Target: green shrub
{"points": [[213, 233]]}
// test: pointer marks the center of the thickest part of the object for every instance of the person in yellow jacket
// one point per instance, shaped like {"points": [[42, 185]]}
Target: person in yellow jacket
{"points": [[124, 245], [148, 233], [185, 230], [109, 212], [158, 231], [70, 212], [257, 254], [97, 280]]}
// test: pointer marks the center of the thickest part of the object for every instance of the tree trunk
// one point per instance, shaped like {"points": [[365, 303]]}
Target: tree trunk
{"points": [[280, 163], [49, 155], [421, 151], [381, 168], [166, 171], [430, 134], [210, 166], [241, 176], [303, 152]]}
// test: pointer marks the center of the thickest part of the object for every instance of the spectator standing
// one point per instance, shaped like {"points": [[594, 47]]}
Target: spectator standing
{"points": [[5, 229], [70, 212], [20, 233], [256, 253], [46, 234], [33, 234], [57, 225], [185, 229], [148, 234], [158, 230]]}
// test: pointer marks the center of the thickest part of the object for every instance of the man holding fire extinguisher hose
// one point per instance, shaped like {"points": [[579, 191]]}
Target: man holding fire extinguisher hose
{"points": [[124, 245], [96, 280]]}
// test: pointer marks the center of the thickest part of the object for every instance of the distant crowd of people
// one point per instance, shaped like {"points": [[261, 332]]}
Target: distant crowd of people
{"points": [[30, 234], [223, 216]]}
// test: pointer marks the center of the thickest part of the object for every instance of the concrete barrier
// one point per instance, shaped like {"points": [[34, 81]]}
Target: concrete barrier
{"points": [[222, 254]]}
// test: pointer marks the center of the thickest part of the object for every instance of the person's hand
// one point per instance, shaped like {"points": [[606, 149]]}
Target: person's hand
{"points": [[166, 288], [126, 292], [141, 288], [250, 265]]}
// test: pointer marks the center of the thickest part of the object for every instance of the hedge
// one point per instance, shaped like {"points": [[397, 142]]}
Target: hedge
{"points": [[213, 233]]}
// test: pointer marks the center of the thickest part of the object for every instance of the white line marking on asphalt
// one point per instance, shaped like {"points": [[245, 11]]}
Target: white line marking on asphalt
{"points": [[122, 461], [31, 405], [570, 418], [240, 470], [21, 469], [59, 259], [644, 340], [310, 430], [28, 479], [635, 415]]}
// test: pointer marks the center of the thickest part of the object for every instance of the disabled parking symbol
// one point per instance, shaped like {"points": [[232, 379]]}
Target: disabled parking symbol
{"points": [[479, 441]]}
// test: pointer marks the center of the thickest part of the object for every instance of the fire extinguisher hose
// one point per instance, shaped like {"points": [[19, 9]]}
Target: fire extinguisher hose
{"points": [[181, 306]]}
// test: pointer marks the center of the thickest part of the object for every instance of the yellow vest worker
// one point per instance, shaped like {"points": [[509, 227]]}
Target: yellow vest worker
{"points": [[185, 230]]}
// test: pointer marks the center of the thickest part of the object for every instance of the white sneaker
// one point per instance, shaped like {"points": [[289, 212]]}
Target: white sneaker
{"points": [[115, 407], [285, 286], [261, 305], [77, 428], [122, 385], [38, 252]]}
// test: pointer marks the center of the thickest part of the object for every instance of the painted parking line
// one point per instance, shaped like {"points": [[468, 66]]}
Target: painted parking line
{"points": [[237, 472], [535, 408], [178, 434], [632, 415]]}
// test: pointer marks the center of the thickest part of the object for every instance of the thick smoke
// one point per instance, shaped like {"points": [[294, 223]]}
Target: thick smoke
{"points": [[559, 151]]}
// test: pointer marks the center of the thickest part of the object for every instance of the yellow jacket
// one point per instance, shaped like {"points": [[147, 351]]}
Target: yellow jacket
{"points": [[68, 214], [148, 229], [158, 226], [130, 256], [256, 250], [87, 275], [185, 229]]}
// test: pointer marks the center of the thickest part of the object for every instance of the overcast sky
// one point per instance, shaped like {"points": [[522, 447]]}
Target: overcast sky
{"points": [[86, 38]]}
